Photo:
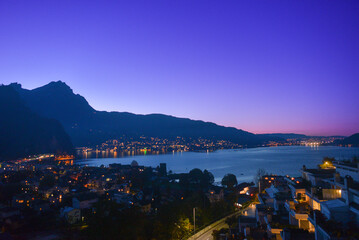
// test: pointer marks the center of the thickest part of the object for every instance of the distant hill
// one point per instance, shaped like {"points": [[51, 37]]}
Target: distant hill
{"points": [[296, 136], [88, 127], [24, 133], [351, 140], [285, 135]]}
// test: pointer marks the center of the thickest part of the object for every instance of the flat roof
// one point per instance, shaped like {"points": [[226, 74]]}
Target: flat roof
{"points": [[336, 203], [320, 171]]}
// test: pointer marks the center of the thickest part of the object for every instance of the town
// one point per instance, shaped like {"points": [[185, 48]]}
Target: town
{"points": [[127, 146], [179, 120], [45, 198], [150, 145]]}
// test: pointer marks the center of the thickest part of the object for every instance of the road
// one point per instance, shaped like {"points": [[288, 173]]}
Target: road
{"points": [[207, 233]]}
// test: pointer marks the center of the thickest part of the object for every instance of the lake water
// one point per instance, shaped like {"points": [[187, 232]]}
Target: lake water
{"points": [[287, 160]]}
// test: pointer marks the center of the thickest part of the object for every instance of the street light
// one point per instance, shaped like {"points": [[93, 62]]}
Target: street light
{"points": [[194, 220]]}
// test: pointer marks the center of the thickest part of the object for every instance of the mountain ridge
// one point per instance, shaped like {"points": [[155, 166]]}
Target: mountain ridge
{"points": [[24, 133], [87, 126], [351, 140]]}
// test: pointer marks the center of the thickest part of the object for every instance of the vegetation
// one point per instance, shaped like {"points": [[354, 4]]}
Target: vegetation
{"points": [[302, 207], [197, 178], [217, 233], [110, 220], [229, 181], [327, 162], [171, 220], [232, 221], [260, 173], [48, 181], [7, 191], [352, 140]]}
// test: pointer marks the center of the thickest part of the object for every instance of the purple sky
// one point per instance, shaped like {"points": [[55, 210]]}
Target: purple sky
{"points": [[262, 66]]}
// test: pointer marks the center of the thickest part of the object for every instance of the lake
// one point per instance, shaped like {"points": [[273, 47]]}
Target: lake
{"points": [[286, 160]]}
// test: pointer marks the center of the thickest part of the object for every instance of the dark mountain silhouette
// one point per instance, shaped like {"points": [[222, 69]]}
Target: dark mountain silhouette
{"points": [[24, 133], [88, 127], [351, 140], [285, 135]]}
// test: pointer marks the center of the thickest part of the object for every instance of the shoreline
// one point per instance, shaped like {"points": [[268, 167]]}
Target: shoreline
{"points": [[242, 162], [120, 154]]}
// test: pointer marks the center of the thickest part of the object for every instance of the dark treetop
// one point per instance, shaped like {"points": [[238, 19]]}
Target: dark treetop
{"points": [[351, 140]]}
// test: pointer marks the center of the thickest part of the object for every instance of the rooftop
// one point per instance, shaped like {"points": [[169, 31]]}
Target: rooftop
{"points": [[318, 171], [346, 163], [336, 203]]}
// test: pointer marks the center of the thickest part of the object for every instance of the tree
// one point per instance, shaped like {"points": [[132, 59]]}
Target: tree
{"points": [[199, 178], [114, 221], [232, 221], [229, 181], [48, 181], [8, 191], [327, 163], [208, 177], [183, 228], [218, 233], [195, 175], [260, 173]]}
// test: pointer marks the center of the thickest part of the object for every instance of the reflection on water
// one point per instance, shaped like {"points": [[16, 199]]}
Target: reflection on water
{"points": [[243, 162], [116, 154]]}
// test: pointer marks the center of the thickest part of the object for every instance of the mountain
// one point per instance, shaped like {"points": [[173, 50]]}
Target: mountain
{"points": [[24, 133], [87, 126], [284, 135], [351, 140]]}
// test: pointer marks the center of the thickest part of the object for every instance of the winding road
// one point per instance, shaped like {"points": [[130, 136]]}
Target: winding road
{"points": [[206, 233]]}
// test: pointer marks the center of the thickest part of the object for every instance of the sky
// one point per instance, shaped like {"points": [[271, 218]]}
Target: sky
{"points": [[262, 66]]}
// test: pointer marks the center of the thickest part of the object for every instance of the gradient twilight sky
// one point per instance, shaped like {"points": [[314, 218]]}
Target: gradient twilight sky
{"points": [[262, 66]]}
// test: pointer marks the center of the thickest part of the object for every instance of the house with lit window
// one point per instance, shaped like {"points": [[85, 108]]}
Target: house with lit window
{"points": [[71, 215], [337, 211], [22, 200], [215, 194], [316, 175]]}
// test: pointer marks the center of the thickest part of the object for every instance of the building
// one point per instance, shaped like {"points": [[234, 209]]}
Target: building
{"points": [[72, 215], [316, 176], [84, 200], [347, 169], [215, 194]]}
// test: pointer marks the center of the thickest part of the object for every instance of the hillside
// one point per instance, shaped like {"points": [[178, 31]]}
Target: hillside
{"points": [[87, 126], [23, 132], [285, 135], [351, 140]]}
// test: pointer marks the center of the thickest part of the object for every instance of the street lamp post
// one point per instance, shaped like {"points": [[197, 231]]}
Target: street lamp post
{"points": [[194, 220]]}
